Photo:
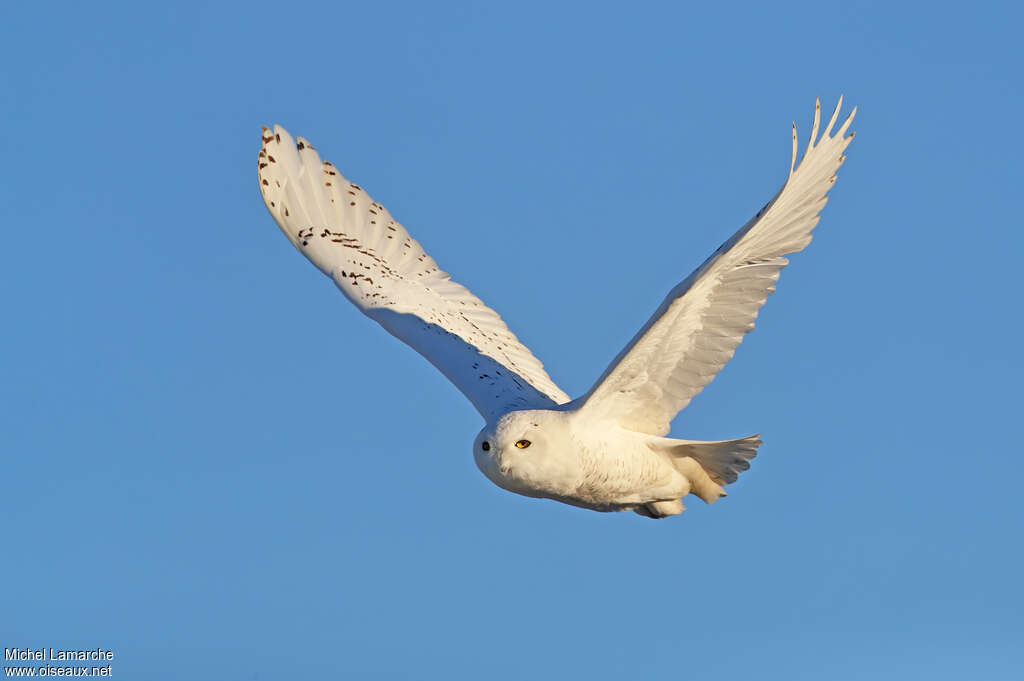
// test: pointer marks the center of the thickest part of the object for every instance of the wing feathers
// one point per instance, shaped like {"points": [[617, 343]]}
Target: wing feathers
{"points": [[388, 276], [697, 328], [687, 341]]}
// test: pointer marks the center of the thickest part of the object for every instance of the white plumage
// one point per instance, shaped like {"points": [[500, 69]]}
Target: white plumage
{"points": [[605, 450]]}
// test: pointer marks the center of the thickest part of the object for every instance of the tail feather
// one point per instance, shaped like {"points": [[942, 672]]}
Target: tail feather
{"points": [[707, 466], [723, 460]]}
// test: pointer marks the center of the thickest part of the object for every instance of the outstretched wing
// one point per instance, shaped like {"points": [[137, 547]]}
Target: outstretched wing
{"points": [[388, 276], [697, 328]]}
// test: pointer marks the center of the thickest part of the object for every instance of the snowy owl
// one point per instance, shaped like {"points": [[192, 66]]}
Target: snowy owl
{"points": [[606, 450]]}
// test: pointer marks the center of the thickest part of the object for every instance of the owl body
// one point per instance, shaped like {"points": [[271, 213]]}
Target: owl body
{"points": [[560, 454]]}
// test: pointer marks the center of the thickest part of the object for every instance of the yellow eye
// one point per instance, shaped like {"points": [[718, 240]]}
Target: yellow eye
{"points": [[523, 444], [486, 446]]}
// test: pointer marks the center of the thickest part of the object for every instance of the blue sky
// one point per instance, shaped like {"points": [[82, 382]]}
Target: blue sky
{"points": [[183, 485]]}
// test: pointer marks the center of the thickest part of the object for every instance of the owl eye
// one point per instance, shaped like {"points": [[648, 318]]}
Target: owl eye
{"points": [[523, 444], [486, 446]]}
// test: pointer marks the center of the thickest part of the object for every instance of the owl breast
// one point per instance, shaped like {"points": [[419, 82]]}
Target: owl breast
{"points": [[620, 470]]}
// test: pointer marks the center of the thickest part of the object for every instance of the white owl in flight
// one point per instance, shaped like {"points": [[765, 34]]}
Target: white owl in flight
{"points": [[607, 449]]}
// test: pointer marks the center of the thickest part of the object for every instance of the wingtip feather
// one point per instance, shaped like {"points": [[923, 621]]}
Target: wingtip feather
{"points": [[814, 126], [792, 162], [835, 117], [846, 123]]}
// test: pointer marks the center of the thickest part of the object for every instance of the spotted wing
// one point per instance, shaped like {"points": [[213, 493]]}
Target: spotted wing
{"points": [[389, 277], [697, 328]]}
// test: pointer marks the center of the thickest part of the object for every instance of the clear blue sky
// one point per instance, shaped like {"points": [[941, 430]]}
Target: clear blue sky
{"points": [[213, 465]]}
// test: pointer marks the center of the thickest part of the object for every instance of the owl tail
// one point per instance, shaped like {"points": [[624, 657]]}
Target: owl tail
{"points": [[720, 463], [723, 460]]}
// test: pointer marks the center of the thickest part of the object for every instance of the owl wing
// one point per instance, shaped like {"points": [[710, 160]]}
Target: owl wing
{"points": [[697, 328], [387, 275]]}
